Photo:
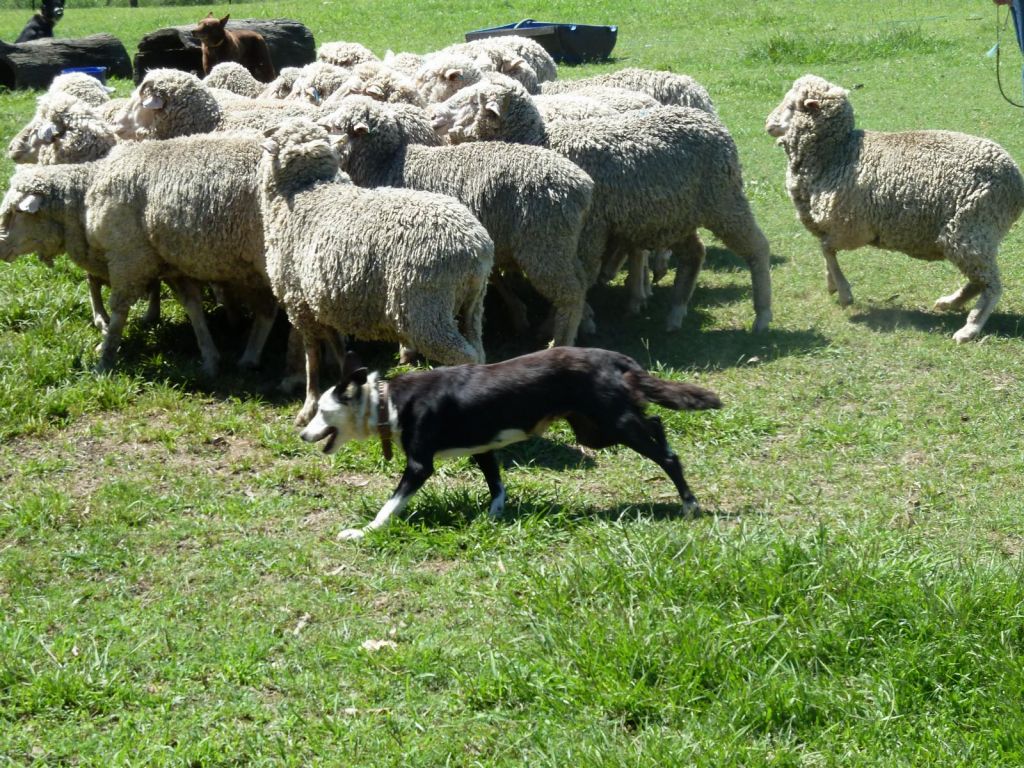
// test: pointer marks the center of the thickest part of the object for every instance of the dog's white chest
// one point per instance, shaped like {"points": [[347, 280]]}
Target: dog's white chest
{"points": [[503, 438]]}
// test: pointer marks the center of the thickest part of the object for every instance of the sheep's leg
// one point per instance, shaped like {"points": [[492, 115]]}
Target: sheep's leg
{"points": [[744, 238], [311, 344], [514, 306], [566, 292], [635, 281], [261, 325], [659, 264], [120, 303], [100, 318], [836, 279], [190, 297], [152, 316], [587, 324], [433, 331], [993, 289], [690, 258], [957, 299], [472, 321]]}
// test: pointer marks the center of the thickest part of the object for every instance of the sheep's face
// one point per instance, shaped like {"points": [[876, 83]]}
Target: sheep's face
{"points": [[24, 147], [439, 80], [810, 96], [281, 86], [477, 116], [345, 54], [142, 113], [305, 89], [26, 226]]}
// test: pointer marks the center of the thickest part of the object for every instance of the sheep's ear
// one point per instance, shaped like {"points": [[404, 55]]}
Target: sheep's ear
{"points": [[451, 75], [313, 94], [375, 91], [270, 146], [811, 105], [360, 129], [30, 203], [153, 101], [513, 64]]}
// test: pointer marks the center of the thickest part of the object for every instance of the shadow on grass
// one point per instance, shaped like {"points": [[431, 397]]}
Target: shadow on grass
{"points": [[886, 319], [718, 259]]}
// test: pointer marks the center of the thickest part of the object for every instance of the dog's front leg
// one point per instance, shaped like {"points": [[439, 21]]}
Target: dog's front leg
{"points": [[488, 464], [415, 475]]}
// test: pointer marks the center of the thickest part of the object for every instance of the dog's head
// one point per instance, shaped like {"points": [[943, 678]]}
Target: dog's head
{"points": [[52, 10], [211, 29], [343, 412]]}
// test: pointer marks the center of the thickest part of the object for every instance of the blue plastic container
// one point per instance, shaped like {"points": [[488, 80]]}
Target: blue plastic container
{"points": [[567, 43], [100, 73]]}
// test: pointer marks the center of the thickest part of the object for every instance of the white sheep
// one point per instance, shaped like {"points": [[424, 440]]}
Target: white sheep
{"points": [[342, 54], [69, 131], [169, 103], [388, 264], [83, 87], [658, 175], [316, 81], [281, 86], [378, 81], [184, 210], [668, 88], [531, 201], [929, 194], [405, 62], [232, 76]]}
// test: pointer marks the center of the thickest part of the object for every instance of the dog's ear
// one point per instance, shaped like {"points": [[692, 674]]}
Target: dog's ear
{"points": [[225, 20], [359, 375]]}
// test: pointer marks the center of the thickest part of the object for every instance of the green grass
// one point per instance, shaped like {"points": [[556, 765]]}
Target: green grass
{"points": [[171, 592]]}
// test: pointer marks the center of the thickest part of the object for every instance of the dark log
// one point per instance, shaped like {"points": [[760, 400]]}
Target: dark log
{"points": [[35, 63], [291, 45]]}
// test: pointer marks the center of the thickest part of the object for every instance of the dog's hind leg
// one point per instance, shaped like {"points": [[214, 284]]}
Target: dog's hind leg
{"points": [[646, 436], [488, 464], [415, 475]]}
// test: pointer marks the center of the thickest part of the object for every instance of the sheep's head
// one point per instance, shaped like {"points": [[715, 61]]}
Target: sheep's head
{"points": [[316, 81], [357, 119], [477, 113], [299, 150], [27, 223], [810, 101], [168, 103], [281, 86], [24, 147], [82, 86], [441, 76]]}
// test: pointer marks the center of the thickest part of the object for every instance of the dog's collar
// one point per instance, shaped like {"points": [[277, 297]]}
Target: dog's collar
{"points": [[383, 419], [216, 45]]}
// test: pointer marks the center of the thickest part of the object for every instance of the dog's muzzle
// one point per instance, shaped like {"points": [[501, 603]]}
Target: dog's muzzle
{"points": [[314, 433]]}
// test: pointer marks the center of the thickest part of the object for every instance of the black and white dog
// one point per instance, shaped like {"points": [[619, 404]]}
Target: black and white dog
{"points": [[474, 409], [42, 22]]}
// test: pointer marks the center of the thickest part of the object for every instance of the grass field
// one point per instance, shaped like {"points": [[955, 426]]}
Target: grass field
{"points": [[171, 592]]}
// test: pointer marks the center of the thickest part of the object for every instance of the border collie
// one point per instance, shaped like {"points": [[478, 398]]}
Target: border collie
{"points": [[475, 409], [42, 22]]}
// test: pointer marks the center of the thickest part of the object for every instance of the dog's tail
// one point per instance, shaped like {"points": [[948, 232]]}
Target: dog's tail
{"points": [[675, 394]]}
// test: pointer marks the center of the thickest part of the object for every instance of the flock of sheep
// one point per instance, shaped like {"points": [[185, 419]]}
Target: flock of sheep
{"points": [[380, 199]]}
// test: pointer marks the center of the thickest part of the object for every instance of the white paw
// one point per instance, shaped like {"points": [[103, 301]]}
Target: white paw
{"points": [[351, 534]]}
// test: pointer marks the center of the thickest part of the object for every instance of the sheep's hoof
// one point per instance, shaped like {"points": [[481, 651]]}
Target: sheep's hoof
{"points": [[248, 364], [965, 334], [99, 324], [674, 321], [306, 414], [351, 534], [845, 299], [945, 304], [636, 306], [210, 369]]}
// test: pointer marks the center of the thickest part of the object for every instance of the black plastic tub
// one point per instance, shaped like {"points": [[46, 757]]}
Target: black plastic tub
{"points": [[567, 43]]}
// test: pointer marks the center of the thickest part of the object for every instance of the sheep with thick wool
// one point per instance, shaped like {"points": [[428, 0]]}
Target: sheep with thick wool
{"points": [[281, 86], [668, 88], [43, 212], [658, 175], [232, 76], [82, 86], [345, 54], [378, 81], [929, 194], [155, 211], [532, 201], [169, 103], [316, 81], [387, 264], [70, 131]]}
